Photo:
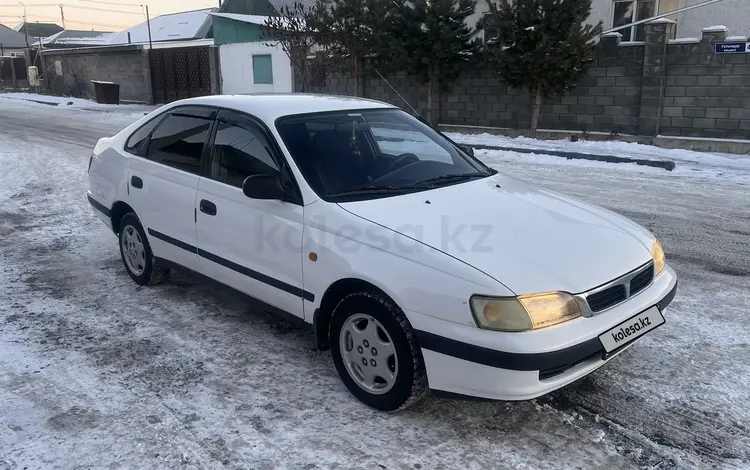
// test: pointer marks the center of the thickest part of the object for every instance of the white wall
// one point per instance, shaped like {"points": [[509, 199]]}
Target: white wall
{"points": [[734, 14], [237, 68]]}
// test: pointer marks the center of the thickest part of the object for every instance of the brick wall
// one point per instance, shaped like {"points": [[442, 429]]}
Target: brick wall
{"points": [[656, 87], [127, 66]]}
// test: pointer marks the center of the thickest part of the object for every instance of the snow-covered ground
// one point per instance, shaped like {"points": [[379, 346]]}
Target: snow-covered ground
{"points": [[722, 166], [76, 103], [96, 372]]}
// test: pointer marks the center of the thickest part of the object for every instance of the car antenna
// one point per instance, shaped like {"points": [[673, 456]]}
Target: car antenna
{"points": [[396, 91]]}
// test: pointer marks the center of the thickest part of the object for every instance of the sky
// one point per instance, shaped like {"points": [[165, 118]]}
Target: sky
{"points": [[99, 15]]}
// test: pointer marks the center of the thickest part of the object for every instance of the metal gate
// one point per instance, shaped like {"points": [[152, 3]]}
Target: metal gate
{"points": [[179, 73]]}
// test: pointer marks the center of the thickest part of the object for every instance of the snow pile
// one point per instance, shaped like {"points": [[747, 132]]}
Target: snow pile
{"points": [[724, 165], [75, 103]]}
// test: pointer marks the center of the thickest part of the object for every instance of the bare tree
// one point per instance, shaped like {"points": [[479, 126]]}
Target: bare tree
{"points": [[291, 30], [75, 72]]}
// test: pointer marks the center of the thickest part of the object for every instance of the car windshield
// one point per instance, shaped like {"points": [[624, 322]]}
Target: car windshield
{"points": [[365, 154]]}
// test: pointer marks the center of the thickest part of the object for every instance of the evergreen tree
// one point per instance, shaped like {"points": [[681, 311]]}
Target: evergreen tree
{"points": [[353, 29], [541, 45], [435, 43]]}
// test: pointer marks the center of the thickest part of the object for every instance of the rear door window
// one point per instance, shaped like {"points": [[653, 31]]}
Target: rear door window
{"points": [[241, 150], [179, 140]]}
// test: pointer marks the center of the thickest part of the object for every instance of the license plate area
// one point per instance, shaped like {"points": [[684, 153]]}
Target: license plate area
{"points": [[622, 335]]}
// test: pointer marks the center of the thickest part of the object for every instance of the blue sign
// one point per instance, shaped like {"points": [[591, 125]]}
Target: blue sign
{"points": [[733, 48]]}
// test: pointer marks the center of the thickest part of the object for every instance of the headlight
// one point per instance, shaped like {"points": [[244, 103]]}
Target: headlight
{"points": [[524, 313], [657, 252]]}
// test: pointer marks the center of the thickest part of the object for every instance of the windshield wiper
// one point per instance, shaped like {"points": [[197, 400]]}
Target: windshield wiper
{"points": [[450, 178], [381, 190]]}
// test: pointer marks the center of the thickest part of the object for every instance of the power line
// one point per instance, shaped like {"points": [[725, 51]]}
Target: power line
{"points": [[10, 5], [103, 9], [112, 3]]}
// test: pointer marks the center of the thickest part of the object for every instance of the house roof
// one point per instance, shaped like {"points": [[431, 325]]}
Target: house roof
{"points": [[174, 27], [12, 39], [78, 38], [267, 7], [42, 30], [279, 4], [252, 19]]}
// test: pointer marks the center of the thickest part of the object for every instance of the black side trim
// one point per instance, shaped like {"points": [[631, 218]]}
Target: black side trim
{"points": [[456, 396], [100, 207], [258, 276], [273, 282], [507, 360], [663, 303], [173, 241], [257, 303]]}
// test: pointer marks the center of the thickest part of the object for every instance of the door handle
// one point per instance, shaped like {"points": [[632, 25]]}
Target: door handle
{"points": [[136, 182], [208, 207]]}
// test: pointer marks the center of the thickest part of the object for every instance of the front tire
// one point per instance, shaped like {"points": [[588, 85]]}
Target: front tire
{"points": [[136, 253], [375, 352]]}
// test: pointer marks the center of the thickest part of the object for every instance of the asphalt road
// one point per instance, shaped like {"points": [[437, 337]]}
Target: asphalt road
{"points": [[96, 372]]}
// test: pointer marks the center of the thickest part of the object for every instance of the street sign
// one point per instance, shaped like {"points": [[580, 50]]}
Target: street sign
{"points": [[733, 48]]}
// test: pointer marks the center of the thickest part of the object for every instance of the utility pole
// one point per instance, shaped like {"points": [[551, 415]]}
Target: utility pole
{"points": [[62, 15], [27, 54], [148, 22]]}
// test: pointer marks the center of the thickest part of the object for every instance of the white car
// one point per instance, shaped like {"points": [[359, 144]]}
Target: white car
{"points": [[421, 268]]}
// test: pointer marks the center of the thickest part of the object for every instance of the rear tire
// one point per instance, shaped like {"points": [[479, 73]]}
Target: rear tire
{"points": [[136, 253], [372, 342]]}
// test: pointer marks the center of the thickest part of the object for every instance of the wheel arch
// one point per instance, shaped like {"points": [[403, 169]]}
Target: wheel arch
{"points": [[119, 209], [331, 298]]}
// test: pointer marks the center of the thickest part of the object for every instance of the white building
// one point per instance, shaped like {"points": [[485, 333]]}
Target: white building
{"points": [[734, 14]]}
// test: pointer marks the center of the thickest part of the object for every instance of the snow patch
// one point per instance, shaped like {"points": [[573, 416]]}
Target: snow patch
{"points": [[730, 167], [661, 21], [715, 29], [685, 41]]}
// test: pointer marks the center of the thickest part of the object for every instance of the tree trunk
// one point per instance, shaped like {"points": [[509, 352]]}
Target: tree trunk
{"points": [[356, 74], [432, 85], [536, 110]]}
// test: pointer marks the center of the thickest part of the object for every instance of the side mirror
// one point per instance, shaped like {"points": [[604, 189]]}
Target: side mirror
{"points": [[468, 149], [263, 187]]}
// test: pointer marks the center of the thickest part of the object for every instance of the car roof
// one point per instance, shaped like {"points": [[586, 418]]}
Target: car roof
{"points": [[271, 106]]}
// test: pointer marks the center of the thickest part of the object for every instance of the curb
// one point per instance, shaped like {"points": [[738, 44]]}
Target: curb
{"points": [[668, 165], [48, 103]]}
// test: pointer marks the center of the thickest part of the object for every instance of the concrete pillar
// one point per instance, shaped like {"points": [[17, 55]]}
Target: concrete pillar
{"points": [[658, 33]]}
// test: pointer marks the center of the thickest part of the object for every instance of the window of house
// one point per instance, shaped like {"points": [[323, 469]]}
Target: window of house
{"points": [[262, 69], [178, 142], [630, 11], [240, 151], [490, 30]]}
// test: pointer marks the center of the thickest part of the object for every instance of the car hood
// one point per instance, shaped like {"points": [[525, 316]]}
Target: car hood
{"points": [[529, 239]]}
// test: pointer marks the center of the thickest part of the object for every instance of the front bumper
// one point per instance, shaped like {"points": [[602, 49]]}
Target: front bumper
{"points": [[467, 361]]}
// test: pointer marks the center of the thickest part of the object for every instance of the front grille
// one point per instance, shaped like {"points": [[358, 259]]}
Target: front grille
{"points": [[639, 282], [606, 298]]}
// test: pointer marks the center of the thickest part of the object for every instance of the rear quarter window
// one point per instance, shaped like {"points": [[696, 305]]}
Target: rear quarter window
{"points": [[135, 141]]}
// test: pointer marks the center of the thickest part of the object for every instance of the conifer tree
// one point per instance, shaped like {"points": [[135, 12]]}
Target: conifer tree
{"points": [[541, 45], [354, 29], [435, 43]]}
